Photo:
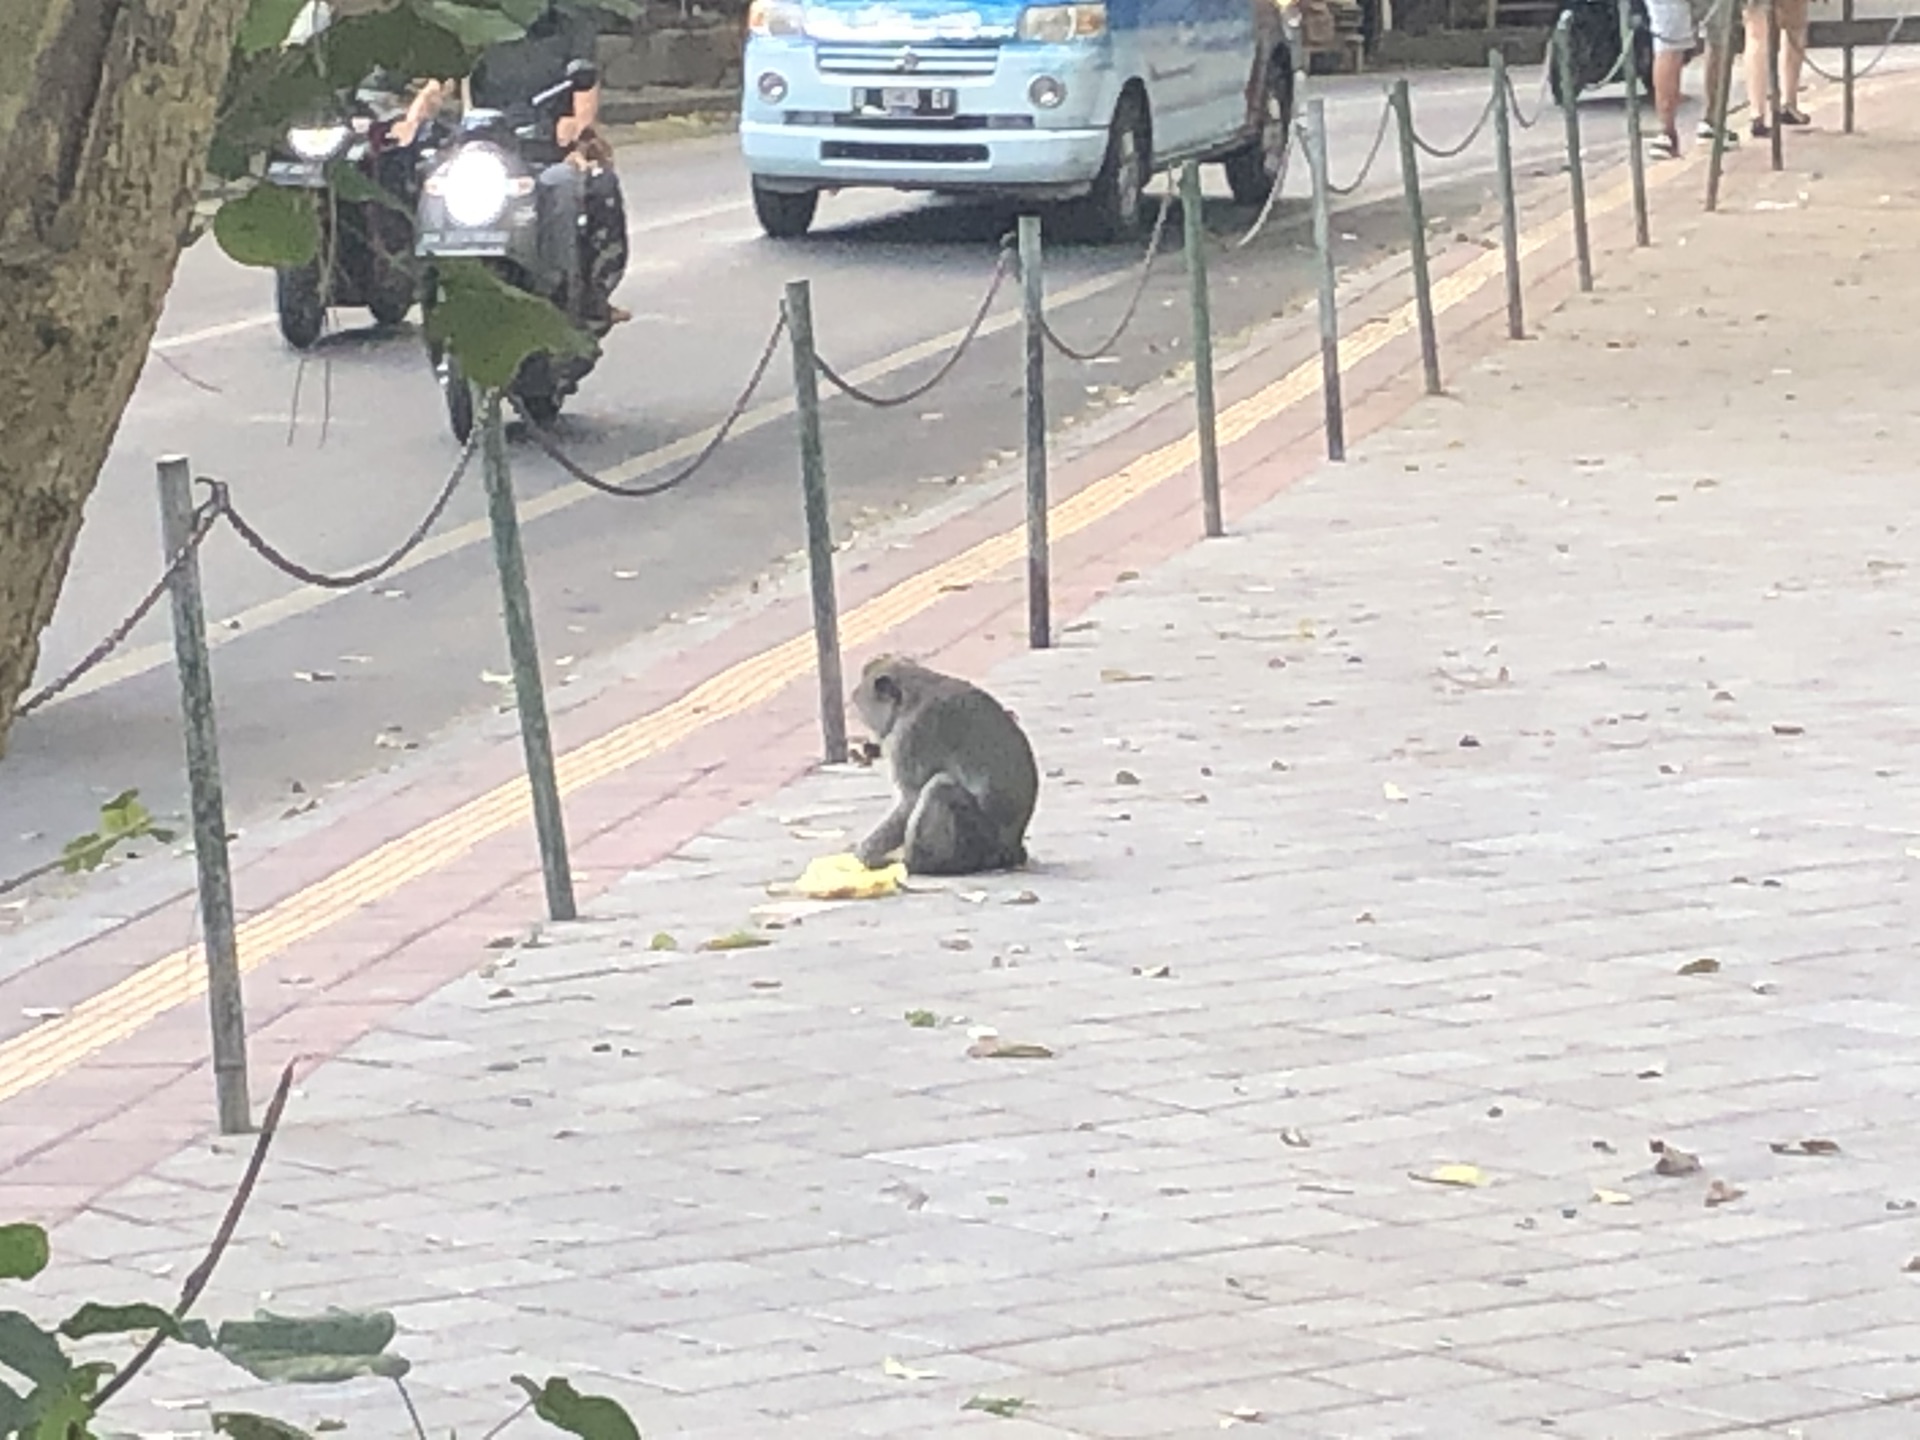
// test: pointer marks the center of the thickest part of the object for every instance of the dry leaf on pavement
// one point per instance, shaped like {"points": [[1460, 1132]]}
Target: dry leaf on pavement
{"points": [[901, 1371], [1803, 1147], [1612, 1197], [1672, 1161], [1461, 1176], [1705, 965], [990, 1047], [1721, 1193]]}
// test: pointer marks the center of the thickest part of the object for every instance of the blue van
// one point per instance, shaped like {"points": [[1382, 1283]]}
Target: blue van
{"points": [[1078, 103]]}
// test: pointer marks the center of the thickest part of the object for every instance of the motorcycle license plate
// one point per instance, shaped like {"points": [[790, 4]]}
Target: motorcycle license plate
{"points": [[305, 174], [905, 101], [463, 242]]}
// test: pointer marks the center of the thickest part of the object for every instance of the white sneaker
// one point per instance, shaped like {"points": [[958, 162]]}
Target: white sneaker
{"points": [[1705, 132]]}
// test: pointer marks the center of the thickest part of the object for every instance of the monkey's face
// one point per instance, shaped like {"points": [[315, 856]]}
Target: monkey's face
{"points": [[876, 699]]}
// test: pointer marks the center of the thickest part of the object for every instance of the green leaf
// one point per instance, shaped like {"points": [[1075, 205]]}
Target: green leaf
{"points": [[399, 39], [317, 1350], [475, 26], [197, 1332], [23, 1251], [92, 1319], [124, 815], [268, 23], [14, 1412], [84, 852], [243, 1425], [663, 941], [62, 1411], [31, 1352], [269, 227], [1005, 1406], [356, 188], [591, 1417], [492, 328]]}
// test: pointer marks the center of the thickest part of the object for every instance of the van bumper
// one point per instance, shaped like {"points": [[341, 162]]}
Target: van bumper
{"points": [[997, 139]]}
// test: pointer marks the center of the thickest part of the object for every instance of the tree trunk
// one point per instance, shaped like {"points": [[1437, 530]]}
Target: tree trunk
{"points": [[106, 110]]}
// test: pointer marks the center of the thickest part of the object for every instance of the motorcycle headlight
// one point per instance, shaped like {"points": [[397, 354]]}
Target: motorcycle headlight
{"points": [[776, 17], [476, 187], [316, 142], [1057, 24]]}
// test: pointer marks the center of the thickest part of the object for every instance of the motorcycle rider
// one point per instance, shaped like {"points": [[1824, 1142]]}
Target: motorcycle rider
{"points": [[509, 74]]}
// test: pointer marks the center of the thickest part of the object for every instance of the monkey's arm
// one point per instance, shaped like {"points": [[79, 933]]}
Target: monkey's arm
{"points": [[888, 836]]}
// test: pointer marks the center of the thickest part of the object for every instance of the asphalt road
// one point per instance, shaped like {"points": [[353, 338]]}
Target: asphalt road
{"points": [[336, 456]]}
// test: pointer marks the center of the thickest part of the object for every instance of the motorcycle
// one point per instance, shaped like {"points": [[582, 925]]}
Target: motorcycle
{"points": [[1594, 43], [364, 256], [498, 193]]}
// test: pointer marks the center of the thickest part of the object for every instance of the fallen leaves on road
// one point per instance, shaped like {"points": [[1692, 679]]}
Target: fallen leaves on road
{"points": [[1113, 675], [1803, 1147], [1004, 1406], [1294, 1139], [922, 1019], [900, 1371], [992, 1047], [1459, 1176], [1156, 972], [738, 940], [1721, 1193], [1789, 730], [1705, 965], [1912, 1267], [1673, 1162], [1393, 792], [663, 941], [1125, 777], [1612, 1197], [1244, 1415]]}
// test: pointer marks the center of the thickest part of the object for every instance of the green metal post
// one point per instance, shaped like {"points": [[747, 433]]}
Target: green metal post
{"points": [[226, 1003], [1509, 206], [523, 653], [1191, 215], [813, 485], [1636, 155], [1033, 297], [1336, 424], [1719, 93], [1776, 139], [1402, 102], [1846, 69], [1576, 176]]}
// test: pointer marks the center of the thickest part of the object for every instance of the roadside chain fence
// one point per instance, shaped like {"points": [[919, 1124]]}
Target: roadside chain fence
{"points": [[186, 526]]}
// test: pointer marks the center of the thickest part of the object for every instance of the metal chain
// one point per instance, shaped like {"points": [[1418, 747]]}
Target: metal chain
{"points": [[1539, 99], [268, 552], [202, 525], [586, 477], [1139, 292], [1807, 57], [886, 402], [1447, 152], [1272, 200], [1373, 154]]}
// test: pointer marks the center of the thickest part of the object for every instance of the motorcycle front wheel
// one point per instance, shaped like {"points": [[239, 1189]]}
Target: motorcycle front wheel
{"points": [[456, 391], [302, 308]]}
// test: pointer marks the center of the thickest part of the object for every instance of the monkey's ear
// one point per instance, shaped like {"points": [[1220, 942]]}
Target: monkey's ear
{"points": [[887, 689]]}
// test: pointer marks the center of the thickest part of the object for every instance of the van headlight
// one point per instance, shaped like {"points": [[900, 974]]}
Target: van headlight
{"points": [[776, 17], [316, 142], [476, 187], [1057, 24]]}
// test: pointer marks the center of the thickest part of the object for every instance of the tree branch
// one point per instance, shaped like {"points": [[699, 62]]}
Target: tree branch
{"points": [[202, 1273]]}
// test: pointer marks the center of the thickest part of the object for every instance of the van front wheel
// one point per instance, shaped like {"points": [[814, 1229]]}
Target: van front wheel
{"points": [[783, 214], [1116, 208]]}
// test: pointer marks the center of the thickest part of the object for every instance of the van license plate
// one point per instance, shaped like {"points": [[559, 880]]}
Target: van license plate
{"points": [[903, 102]]}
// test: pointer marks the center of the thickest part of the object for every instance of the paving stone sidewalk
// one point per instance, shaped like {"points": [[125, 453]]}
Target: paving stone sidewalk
{"points": [[1386, 834]]}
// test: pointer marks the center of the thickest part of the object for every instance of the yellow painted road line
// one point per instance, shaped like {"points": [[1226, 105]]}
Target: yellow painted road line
{"points": [[123, 1008]]}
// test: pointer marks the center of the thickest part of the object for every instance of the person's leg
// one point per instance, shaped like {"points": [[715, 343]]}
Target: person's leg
{"points": [[1793, 57], [606, 240], [1671, 22], [1756, 18]]}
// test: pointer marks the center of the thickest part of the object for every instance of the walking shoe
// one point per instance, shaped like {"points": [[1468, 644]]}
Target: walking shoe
{"points": [[1758, 130], [1729, 137], [1792, 115]]}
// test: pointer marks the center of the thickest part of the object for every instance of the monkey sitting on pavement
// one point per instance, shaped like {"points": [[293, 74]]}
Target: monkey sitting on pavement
{"points": [[965, 773]]}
